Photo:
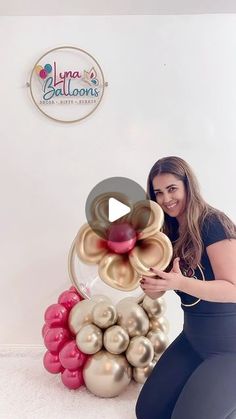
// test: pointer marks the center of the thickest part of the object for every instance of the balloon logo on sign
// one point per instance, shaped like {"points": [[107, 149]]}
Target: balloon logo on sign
{"points": [[88, 336]]}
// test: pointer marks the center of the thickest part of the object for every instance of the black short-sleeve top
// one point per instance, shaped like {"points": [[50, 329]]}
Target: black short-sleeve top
{"points": [[212, 231]]}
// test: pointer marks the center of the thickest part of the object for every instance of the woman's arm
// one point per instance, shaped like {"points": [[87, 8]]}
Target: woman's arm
{"points": [[222, 256]]}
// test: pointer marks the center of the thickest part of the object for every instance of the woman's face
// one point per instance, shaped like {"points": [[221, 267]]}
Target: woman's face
{"points": [[170, 194]]}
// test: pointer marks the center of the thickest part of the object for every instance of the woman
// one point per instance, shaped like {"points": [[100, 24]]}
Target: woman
{"points": [[195, 378]]}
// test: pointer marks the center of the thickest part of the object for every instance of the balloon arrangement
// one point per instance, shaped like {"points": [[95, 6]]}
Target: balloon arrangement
{"points": [[89, 339]]}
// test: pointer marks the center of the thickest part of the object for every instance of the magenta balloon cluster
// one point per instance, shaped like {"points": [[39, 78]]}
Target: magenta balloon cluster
{"points": [[63, 356]]}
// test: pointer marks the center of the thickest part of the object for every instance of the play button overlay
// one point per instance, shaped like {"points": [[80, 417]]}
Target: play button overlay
{"points": [[116, 209], [113, 202]]}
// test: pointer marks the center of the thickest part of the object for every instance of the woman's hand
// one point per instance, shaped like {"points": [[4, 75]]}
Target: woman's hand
{"points": [[163, 281]]}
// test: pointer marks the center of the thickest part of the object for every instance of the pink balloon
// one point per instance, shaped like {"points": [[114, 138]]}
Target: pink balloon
{"points": [[56, 338], [52, 363], [77, 292], [68, 299], [72, 379], [43, 74], [45, 329], [71, 357], [56, 315]]}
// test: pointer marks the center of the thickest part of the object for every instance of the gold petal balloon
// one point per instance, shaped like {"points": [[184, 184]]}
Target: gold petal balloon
{"points": [[154, 251], [154, 308], [104, 314], [116, 271], [147, 218], [89, 339], [116, 339], [80, 314], [141, 374], [159, 323], [159, 340], [90, 247], [140, 351], [132, 318], [106, 374]]}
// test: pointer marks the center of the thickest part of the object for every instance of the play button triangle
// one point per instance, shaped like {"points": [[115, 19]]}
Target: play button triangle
{"points": [[116, 209]]}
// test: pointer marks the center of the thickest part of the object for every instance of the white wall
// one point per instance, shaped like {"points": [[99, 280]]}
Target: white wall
{"points": [[172, 91]]}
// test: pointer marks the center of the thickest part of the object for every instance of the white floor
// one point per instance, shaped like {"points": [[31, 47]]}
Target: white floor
{"points": [[28, 391]]}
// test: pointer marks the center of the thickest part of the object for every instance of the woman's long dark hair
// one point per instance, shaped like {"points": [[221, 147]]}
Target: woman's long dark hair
{"points": [[187, 241]]}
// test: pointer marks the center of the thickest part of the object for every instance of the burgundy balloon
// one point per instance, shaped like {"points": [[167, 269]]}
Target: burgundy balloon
{"points": [[121, 238], [71, 357], [56, 315], [56, 338], [72, 379], [68, 299], [52, 363]]}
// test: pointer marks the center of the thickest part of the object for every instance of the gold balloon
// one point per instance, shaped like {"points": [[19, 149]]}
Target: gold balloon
{"points": [[89, 339], [147, 218], [98, 298], [104, 314], [90, 247], [159, 340], [154, 251], [80, 314], [116, 271], [154, 308], [106, 374], [116, 339], [141, 374], [132, 318], [140, 351], [159, 323]]}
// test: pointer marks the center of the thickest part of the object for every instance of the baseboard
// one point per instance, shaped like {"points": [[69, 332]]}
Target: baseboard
{"points": [[20, 347]]}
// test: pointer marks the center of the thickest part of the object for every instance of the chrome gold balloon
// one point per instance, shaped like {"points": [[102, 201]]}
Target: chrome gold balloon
{"points": [[141, 374], [89, 339], [104, 314], [116, 271], [132, 318], [140, 351], [90, 248], [98, 298], [106, 374], [80, 314], [147, 218], [154, 308], [159, 323], [116, 339], [159, 340], [152, 252]]}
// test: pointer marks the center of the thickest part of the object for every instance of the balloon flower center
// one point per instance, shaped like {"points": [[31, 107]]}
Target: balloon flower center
{"points": [[121, 238]]}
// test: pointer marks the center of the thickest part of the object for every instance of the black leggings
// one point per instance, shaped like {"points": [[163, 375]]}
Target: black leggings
{"points": [[195, 378]]}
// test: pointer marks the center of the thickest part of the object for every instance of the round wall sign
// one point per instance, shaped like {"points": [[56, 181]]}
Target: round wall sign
{"points": [[67, 84]]}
